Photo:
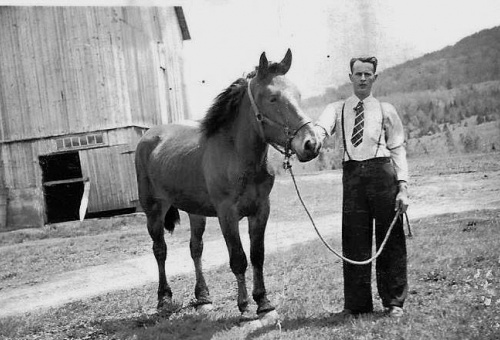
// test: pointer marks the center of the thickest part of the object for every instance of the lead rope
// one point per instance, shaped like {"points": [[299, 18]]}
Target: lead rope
{"points": [[288, 166]]}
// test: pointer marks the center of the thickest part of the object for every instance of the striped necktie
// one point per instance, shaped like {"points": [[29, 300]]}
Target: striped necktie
{"points": [[359, 122]]}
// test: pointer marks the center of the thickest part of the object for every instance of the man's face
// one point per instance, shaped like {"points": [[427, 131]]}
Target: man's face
{"points": [[362, 78]]}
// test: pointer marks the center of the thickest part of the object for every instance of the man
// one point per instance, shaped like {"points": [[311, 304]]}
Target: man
{"points": [[375, 175]]}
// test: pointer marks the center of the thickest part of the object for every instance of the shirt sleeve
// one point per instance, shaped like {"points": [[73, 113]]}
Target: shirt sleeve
{"points": [[395, 141], [325, 125]]}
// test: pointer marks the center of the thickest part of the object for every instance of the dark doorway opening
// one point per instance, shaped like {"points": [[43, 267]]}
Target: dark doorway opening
{"points": [[63, 186], [61, 166]]}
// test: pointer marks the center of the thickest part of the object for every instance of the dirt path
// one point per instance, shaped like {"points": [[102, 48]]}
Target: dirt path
{"points": [[460, 192]]}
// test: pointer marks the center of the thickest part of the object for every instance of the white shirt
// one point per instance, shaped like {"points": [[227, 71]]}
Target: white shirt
{"points": [[389, 144]]}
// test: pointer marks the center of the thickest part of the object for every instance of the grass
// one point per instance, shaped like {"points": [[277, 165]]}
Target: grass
{"points": [[32, 256], [454, 274], [454, 163]]}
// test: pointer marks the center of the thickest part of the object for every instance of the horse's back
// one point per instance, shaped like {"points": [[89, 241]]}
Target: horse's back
{"points": [[171, 138], [188, 131]]}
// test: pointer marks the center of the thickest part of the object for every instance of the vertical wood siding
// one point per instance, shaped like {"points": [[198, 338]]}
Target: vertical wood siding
{"points": [[112, 177], [111, 171]]}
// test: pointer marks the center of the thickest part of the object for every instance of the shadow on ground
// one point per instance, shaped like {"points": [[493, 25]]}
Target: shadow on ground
{"points": [[176, 326]]}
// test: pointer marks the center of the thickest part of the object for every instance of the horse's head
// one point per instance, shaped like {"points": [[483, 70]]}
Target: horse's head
{"points": [[275, 101]]}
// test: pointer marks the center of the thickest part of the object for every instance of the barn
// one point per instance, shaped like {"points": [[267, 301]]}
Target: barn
{"points": [[78, 88]]}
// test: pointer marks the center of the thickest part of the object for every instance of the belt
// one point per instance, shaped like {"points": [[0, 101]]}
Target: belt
{"points": [[376, 160]]}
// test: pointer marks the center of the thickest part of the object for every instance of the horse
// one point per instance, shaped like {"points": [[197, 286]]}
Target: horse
{"points": [[217, 167]]}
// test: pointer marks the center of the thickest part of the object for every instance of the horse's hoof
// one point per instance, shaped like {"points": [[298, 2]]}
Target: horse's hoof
{"points": [[264, 320], [163, 303], [264, 306], [166, 306], [206, 307], [246, 316], [269, 319]]}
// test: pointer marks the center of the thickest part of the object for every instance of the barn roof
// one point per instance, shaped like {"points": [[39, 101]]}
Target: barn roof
{"points": [[182, 23]]}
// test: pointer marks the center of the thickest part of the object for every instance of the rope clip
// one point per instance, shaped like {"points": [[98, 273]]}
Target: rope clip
{"points": [[286, 163]]}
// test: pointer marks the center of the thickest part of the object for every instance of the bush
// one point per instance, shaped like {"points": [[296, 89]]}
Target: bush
{"points": [[470, 141]]}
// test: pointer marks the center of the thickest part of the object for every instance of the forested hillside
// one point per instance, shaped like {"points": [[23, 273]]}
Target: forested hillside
{"points": [[472, 60], [426, 112]]}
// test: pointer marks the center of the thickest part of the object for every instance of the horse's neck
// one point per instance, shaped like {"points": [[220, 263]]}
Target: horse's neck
{"points": [[249, 145]]}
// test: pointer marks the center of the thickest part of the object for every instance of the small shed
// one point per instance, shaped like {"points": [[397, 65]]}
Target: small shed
{"points": [[78, 88]]}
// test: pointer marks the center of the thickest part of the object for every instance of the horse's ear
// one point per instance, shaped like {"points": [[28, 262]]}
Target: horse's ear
{"points": [[286, 62], [263, 66]]}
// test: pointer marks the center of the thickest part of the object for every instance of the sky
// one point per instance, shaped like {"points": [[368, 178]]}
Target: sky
{"points": [[228, 36]]}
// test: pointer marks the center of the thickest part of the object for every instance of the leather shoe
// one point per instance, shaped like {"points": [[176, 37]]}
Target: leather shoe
{"points": [[394, 312], [347, 314], [344, 315]]}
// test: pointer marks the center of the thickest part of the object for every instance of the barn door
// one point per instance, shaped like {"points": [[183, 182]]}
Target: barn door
{"points": [[111, 172]]}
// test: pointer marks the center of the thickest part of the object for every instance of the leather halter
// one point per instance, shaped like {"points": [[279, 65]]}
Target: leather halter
{"points": [[261, 119]]}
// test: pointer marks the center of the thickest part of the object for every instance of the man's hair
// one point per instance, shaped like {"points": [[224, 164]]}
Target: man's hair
{"points": [[371, 60]]}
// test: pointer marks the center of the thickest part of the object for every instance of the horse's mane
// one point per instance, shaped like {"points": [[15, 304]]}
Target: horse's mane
{"points": [[225, 106]]}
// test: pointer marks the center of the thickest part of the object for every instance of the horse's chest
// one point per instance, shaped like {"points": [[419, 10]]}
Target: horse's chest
{"points": [[252, 192]]}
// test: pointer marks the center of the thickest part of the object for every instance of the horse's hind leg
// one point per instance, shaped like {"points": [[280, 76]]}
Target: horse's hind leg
{"points": [[156, 230], [201, 292]]}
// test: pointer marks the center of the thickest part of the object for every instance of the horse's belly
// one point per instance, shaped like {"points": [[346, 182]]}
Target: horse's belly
{"points": [[197, 203], [185, 189]]}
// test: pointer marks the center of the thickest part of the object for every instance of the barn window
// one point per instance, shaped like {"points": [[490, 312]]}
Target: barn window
{"points": [[78, 142]]}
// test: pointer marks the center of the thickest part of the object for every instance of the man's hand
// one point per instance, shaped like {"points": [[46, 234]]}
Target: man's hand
{"points": [[402, 200], [320, 134]]}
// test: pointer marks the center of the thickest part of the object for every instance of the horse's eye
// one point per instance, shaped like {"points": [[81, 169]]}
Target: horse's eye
{"points": [[273, 99]]}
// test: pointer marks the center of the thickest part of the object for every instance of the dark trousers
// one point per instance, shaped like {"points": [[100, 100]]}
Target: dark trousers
{"points": [[370, 189]]}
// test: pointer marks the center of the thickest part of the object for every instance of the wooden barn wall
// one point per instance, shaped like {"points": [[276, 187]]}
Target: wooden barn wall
{"points": [[171, 66], [110, 169], [75, 69], [23, 182]]}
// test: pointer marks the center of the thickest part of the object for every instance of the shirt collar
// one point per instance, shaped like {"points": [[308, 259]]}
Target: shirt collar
{"points": [[367, 99], [353, 100]]}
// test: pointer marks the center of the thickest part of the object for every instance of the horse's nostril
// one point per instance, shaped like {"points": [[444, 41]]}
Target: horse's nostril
{"points": [[311, 146], [308, 145]]}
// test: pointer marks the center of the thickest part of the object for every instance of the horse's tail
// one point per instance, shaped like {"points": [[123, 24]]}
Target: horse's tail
{"points": [[172, 219]]}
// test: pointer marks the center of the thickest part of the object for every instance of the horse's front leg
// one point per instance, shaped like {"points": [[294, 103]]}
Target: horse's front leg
{"points": [[229, 222], [257, 227]]}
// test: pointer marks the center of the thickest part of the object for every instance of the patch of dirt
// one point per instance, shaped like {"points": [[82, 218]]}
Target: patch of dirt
{"points": [[430, 195]]}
